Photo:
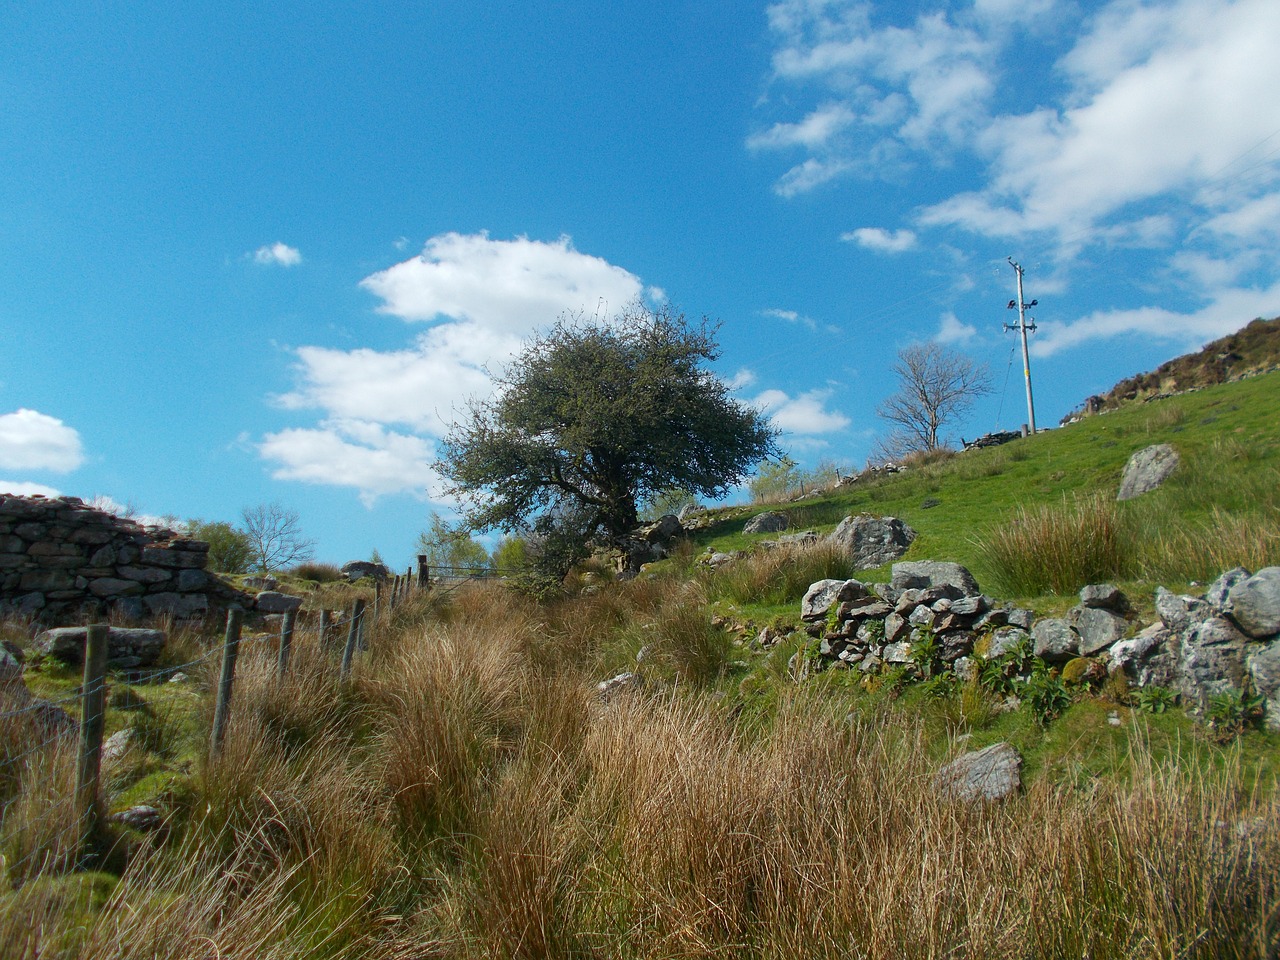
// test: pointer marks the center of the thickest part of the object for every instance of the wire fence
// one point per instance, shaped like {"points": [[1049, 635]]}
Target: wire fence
{"points": [[51, 800]]}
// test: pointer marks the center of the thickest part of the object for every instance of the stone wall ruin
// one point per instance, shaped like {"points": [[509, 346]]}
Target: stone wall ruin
{"points": [[63, 561]]}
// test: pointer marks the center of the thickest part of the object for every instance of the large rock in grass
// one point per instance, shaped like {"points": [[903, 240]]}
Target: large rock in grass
{"points": [[768, 522], [991, 774], [872, 541], [1146, 470]]}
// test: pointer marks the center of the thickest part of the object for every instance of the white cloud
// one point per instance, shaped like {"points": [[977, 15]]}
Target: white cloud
{"points": [[881, 240], [742, 379], [22, 488], [803, 414], [352, 453], [277, 255], [951, 330], [1228, 311], [814, 131], [803, 177], [485, 297], [509, 286], [30, 440]]}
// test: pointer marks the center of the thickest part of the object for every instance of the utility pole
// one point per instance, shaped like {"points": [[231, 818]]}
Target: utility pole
{"points": [[1022, 327]]}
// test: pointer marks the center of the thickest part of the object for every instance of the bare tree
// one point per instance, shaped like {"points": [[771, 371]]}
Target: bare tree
{"points": [[935, 388], [275, 536]]}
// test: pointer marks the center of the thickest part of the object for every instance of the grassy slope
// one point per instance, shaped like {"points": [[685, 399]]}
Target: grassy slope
{"points": [[1225, 435]]}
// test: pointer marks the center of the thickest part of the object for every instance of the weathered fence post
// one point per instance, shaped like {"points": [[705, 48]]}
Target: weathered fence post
{"points": [[424, 573], [286, 640], [377, 600], [353, 636], [230, 650], [92, 719], [324, 630]]}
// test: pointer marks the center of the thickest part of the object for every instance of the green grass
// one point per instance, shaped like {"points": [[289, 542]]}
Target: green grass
{"points": [[1228, 437]]}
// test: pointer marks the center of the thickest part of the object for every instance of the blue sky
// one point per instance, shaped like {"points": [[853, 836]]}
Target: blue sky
{"points": [[255, 252]]}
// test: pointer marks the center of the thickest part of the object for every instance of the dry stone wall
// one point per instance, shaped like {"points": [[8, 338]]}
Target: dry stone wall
{"points": [[62, 560]]}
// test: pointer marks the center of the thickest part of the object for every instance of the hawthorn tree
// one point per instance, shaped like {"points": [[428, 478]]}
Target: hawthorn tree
{"points": [[935, 388], [592, 420]]}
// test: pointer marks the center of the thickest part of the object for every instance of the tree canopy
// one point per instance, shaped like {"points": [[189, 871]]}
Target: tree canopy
{"points": [[603, 417]]}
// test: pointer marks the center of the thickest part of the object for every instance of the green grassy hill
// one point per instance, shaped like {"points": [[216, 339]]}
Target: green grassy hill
{"points": [[1221, 508]]}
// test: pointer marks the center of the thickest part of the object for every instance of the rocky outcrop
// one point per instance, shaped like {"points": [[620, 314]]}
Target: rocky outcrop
{"points": [[126, 646], [358, 569], [62, 560]]}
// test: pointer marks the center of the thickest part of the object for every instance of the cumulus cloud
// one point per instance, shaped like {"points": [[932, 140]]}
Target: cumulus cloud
{"points": [[483, 297], [507, 286], [881, 240], [30, 440], [814, 131], [805, 414], [277, 255], [353, 453], [1148, 126]]}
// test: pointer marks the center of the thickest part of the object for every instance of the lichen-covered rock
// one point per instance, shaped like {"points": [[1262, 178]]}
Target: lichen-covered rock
{"points": [[1146, 470], [1221, 588], [1211, 660], [922, 574], [1104, 596], [1254, 604], [991, 774], [1098, 628], [872, 541], [1263, 664], [1179, 612], [822, 595], [1055, 640]]}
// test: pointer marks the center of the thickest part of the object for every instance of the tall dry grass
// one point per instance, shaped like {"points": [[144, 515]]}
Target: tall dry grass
{"points": [[463, 796], [1058, 548], [783, 574]]}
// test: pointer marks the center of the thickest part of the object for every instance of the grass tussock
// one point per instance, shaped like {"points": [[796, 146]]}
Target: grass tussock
{"points": [[783, 574], [1058, 548]]}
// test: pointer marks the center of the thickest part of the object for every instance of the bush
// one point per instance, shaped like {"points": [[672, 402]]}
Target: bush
{"points": [[230, 550]]}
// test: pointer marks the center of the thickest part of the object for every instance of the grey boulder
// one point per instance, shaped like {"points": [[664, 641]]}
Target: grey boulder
{"points": [[991, 774], [1146, 470], [872, 541]]}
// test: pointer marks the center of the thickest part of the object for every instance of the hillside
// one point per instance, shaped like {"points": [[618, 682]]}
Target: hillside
{"points": [[1249, 351], [471, 789]]}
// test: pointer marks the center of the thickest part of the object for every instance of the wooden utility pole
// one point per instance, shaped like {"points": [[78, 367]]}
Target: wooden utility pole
{"points": [[1022, 327]]}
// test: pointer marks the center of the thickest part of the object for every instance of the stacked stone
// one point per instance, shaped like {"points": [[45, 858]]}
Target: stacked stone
{"points": [[870, 626], [1226, 640], [61, 559]]}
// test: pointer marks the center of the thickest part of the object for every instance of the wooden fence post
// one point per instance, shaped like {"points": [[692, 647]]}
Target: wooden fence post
{"points": [[324, 630], [353, 636], [92, 720], [230, 650], [424, 572], [286, 640]]}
